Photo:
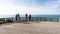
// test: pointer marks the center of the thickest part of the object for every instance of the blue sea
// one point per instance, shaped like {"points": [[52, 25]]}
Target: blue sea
{"points": [[56, 16], [7, 16]]}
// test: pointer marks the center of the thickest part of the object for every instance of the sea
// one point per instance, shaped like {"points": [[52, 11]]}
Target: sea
{"points": [[53, 16]]}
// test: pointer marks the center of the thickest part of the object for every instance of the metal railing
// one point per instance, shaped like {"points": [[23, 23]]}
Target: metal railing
{"points": [[44, 19], [40, 19]]}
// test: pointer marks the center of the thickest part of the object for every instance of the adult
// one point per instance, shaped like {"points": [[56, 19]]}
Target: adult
{"points": [[26, 16], [17, 17], [29, 17]]}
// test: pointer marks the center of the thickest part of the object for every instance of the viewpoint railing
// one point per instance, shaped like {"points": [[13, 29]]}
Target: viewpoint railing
{"points": [[34, 19], [43, 19]]}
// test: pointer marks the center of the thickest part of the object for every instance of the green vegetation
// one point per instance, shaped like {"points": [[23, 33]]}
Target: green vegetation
{"points": [[2, 20]]}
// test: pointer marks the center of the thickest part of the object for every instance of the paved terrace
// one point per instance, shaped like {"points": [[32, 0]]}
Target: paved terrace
{"points": [[32, 28]]}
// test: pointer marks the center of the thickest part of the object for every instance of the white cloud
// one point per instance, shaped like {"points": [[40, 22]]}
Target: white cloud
{"points": [[9, 8]]}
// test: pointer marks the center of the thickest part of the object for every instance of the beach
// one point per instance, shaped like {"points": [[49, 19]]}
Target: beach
{"points": [[31, 28]]}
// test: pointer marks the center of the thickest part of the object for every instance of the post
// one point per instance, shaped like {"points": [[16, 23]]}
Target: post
{"points": [[59, 19]]}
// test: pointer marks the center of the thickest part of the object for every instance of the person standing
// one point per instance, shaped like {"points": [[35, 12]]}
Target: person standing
{"points": [[16, 18], [26, 16], [29, 17], [19, 18]]}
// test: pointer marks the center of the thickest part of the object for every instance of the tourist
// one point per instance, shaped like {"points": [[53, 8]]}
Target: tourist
{"points": [[26, 16], [17, 17], [29, 17]]}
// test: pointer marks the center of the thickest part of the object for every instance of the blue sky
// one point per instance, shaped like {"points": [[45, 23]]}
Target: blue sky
{"points": [[12, 7]]}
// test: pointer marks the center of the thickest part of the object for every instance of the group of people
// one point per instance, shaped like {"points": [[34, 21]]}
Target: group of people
{"points": [[18, 18]]}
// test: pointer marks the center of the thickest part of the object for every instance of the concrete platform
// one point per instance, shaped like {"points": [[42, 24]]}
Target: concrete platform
{"points": [[32, 28]]}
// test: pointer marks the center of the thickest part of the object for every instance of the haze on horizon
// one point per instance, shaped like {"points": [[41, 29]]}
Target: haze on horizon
{"points": [[12, 7]]}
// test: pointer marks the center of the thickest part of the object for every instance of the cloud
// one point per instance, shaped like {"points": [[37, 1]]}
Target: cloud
{"points": [[12, 7]]}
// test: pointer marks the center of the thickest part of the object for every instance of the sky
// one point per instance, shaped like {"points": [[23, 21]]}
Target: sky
{"points": [[12, 7]]}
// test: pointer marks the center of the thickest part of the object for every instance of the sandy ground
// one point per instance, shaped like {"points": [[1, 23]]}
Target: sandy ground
{"points": [[32, 28]]}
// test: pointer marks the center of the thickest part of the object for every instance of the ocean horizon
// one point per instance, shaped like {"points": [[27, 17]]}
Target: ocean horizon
{"points": [[7, 16]]}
